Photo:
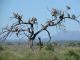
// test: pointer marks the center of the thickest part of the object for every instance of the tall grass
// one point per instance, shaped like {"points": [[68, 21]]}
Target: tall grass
{"points": [[19, 52]]}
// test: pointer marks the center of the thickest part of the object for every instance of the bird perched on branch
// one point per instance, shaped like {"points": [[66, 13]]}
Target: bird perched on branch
{"points": [[68, 7], [50, 22], [54, 12], [33, 20], [17, 30], [73, 16], [61, 16]]}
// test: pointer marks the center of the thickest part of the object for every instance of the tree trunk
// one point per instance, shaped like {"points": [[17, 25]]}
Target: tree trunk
{"points": [[31, 44]]}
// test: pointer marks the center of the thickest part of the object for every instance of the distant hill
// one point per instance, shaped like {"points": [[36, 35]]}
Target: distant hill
{"points": [[67, 36], [59, 37]]}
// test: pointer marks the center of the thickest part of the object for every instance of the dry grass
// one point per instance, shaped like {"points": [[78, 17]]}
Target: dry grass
{"points": [[21, 52]]}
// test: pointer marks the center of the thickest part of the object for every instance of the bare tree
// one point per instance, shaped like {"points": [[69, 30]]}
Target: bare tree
{"points": [[58, 18]]}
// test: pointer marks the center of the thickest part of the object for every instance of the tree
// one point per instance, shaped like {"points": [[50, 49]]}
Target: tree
{"points": [[58, 18]]}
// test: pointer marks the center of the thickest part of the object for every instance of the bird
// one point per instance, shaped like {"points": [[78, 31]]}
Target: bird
{"points": [[50, 22], [33, 20], [61, 16], [53, 12], [16, 29], [68, 7], [73, 16]]}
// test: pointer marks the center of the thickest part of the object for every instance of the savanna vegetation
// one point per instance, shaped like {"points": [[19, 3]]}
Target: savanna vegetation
{"points": [[50, 52]]}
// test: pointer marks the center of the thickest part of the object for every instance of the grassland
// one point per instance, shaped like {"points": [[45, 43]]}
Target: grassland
{"points": [[21, 52]]}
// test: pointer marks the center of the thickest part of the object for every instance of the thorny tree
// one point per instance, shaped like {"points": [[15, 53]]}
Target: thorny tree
{"points": [[58, 18]]}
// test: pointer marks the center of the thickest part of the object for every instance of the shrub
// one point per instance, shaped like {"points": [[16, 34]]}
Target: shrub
{"points": [[71, 55], [49, 47], [1, 48]]}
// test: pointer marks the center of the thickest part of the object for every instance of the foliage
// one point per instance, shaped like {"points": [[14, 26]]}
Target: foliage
{"points": [[49, 47], [1, 48]]}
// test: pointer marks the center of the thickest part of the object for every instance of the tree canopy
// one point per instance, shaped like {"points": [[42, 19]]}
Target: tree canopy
{"points": [[58, 18]]}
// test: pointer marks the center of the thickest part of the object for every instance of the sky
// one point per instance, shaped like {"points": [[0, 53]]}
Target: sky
{"points": [[37, 8]]}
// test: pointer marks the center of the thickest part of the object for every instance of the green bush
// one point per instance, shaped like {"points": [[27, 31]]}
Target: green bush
{"points": [[1, 48], [49, 47], [71, 55]]}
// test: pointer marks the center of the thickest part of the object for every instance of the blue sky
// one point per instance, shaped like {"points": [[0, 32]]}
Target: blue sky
{"points": [[37, 8]]}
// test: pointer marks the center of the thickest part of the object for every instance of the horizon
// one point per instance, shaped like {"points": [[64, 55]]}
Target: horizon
{"points": [[60, 36]]}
